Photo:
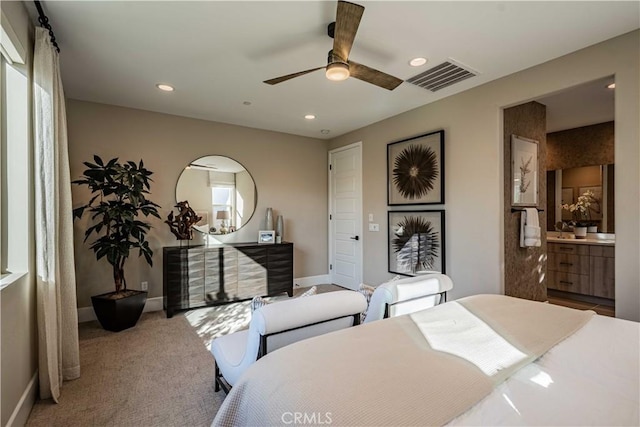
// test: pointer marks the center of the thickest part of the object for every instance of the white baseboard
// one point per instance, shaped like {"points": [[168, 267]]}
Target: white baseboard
{"points": [[305, 282], [86, 314], [21, 413]]}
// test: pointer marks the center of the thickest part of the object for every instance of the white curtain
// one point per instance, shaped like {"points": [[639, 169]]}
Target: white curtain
{"points": [[59, 357]]}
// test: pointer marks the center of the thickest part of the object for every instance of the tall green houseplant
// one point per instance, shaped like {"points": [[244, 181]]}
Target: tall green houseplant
{"points": [[119, 200]]}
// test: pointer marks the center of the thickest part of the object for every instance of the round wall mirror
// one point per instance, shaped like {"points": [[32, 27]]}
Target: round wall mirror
{"points": [[221, 191]]}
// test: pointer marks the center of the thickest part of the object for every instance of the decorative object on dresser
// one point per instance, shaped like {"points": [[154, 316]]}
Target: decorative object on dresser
{"points": [[524, 171], [279, 229], [268, 219], [266, 237], [416, 242], [119, 193], [415, 170], [211, 275], [181, 224]]}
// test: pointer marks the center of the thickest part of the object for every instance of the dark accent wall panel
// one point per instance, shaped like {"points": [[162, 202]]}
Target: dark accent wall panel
{"points": [[584, 146], [525, 268]]}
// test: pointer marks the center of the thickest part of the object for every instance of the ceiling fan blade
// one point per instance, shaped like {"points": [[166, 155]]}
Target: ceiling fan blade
{"points": [[369, 75], [348, 17], [290, 76]]}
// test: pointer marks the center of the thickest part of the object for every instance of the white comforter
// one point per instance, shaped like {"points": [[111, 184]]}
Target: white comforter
{"points": [[591, 378]]}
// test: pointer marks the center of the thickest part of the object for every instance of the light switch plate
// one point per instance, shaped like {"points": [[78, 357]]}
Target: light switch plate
{"points": [[370, 217], [374, 227]]}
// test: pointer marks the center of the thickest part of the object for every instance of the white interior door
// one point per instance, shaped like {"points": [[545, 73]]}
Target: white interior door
{"points": [[345, 216]]}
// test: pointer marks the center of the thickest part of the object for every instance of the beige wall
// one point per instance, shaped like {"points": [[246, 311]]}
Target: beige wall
{"points": [[473, 167], [290, 173], [18, 334]]}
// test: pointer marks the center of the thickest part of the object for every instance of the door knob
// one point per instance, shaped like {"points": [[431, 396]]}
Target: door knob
{"points": [[355, 238]]}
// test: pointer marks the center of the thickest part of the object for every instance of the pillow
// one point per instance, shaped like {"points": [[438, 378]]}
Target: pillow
{"points": [[258, 301], [311, 291], [367, 291]]}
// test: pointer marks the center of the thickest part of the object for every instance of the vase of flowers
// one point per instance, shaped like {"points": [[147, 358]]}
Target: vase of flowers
{"points": [[581, 213]]}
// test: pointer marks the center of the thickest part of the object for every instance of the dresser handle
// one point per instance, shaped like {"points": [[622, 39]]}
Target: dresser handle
{"points": [[566, 283], [566, 263], [564, 248]]}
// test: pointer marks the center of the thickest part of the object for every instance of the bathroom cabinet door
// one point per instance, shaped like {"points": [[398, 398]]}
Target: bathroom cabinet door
{"points": [[602, 271]]}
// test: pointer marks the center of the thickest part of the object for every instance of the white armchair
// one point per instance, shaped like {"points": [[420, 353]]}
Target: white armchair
{"points": [[282, 323], [408, 295]]}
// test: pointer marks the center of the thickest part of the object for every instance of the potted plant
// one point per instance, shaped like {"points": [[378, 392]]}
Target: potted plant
{"points": [[119, 200], [581, 213]]}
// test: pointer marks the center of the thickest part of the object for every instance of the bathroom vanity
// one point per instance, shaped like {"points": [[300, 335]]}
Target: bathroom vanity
{"points": [[582, 266]]}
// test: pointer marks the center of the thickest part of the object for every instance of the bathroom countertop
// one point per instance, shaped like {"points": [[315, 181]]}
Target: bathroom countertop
{"points": [[588, 241], [603, 239]]}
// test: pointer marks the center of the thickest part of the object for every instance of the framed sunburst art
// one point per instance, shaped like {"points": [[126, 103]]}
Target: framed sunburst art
{"points": [[415, 170], [416, 242]]}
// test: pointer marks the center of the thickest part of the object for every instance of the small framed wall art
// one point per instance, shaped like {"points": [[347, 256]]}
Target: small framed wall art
{"points": [[415, 170], [416, 242], [267, 236], [524, 171]]}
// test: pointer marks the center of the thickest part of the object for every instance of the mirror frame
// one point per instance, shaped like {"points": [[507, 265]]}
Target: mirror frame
{"points": [[255, 193]]}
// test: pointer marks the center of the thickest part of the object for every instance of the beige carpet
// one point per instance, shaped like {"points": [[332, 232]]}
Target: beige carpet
{"points": [[159, 373], [155, 374]]}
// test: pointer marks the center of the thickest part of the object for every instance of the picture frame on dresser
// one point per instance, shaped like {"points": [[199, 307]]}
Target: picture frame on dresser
{"points": [[415, 170], [524, 171], [267, 237]]}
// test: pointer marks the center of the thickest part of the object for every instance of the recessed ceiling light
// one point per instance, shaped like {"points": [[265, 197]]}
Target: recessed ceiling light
{"points": [[246, 103], [164, 87], [324, 131], [416, 62], [309, 117], [611, 86]]}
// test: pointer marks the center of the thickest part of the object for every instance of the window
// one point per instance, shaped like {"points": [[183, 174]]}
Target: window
{"points": [[15, 188], [223, 197]]}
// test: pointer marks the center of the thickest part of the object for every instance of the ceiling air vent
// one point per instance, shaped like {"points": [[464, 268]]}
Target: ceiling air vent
{"points": [[441, 76]]}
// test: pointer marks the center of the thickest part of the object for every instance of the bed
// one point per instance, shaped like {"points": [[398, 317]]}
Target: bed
{"points": [[480, 360]]}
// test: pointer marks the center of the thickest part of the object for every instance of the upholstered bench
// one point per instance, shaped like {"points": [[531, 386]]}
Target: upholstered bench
{"points": [[407, 295], [282, 323]]}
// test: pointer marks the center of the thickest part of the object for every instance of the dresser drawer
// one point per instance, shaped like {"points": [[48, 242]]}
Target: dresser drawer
{"points": [[568, 248], [568, 282], [568, 263]]}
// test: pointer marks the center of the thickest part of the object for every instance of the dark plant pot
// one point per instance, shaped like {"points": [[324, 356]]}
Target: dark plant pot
{"points": [[117, 313]]}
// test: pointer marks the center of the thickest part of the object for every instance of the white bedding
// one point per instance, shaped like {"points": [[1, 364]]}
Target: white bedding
{"points": [[591, 378], [387, 378]]}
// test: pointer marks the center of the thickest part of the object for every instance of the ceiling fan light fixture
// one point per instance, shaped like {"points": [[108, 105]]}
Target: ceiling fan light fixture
{"points": [[337, 71]]}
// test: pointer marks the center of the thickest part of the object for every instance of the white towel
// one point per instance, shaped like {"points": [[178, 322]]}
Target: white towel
{"points": [[532, 217], [529, 228]]}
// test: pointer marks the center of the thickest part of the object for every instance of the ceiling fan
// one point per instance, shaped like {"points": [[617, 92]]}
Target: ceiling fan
{"points": [[343, 31]]}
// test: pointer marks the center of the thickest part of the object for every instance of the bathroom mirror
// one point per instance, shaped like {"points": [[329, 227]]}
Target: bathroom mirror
{"points": [[221, 191], [566, 185]]}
